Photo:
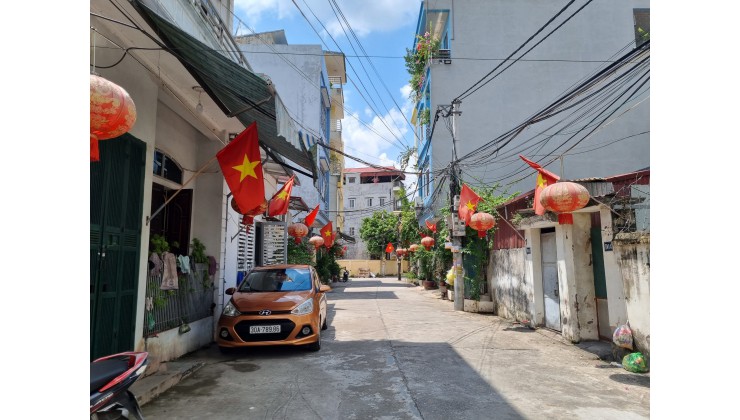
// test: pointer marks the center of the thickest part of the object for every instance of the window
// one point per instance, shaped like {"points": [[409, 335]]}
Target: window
{"points": [[351, 180], [351, 203], [642, 25], [352, 231], [369, 201], [166, 167], [428, 181], [382, 201]]}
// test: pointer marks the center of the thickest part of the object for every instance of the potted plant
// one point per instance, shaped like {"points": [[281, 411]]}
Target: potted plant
{"points": [[425, 269]]}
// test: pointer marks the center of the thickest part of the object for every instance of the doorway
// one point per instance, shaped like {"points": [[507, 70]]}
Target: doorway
{"points": [[116, 197], [550, 281]]}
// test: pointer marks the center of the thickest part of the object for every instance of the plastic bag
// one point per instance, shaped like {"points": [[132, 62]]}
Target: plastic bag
{"points": [[635, 362], [623, 337], [451, 276]]}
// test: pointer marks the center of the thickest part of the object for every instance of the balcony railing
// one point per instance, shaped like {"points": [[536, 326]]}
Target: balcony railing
{"points": [[169, 309]]}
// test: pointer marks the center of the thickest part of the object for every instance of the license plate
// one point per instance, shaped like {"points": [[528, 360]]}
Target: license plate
{"points": [[264, 329]]}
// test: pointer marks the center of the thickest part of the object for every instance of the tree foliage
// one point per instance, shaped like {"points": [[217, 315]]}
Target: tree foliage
{"points": [[377, 230], [299, 253]]}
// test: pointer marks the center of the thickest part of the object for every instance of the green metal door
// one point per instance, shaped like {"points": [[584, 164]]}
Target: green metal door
{"points": [[116, 198], [598, 263]]}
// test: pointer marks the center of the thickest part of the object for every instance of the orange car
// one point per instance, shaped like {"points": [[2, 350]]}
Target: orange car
{"points": [[275, 305]]}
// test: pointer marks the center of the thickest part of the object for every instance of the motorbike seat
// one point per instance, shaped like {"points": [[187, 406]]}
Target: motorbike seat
{"points": [[104, 371]]}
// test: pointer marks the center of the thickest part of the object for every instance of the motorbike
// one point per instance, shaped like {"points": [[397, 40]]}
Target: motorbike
{"points": [[345, 275], [110, 379]]}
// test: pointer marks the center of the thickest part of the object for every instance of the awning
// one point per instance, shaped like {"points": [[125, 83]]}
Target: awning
{"points": [[237, 91], [347, 238], [297, 203]]}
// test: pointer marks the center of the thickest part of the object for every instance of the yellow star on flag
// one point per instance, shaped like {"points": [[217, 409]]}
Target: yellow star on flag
{"points": [[470, 205], [247, 168], [327, 233], [541, 180], [282, 195]]}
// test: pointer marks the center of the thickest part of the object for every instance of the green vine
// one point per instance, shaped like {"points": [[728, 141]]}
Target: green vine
{"points": [[159, 244], [198, 252], [416, 61]]}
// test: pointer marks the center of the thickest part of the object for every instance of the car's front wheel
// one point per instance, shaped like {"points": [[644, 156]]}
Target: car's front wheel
{"points": [[316, 346]]}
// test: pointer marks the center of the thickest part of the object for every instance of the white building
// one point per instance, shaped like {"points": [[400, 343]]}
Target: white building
{"points": [[475, 36], [309, 81], [367, 190], [193, 91]]}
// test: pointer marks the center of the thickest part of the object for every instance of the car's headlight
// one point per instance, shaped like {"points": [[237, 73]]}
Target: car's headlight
{"points": [[230, 310], [304, 308]]}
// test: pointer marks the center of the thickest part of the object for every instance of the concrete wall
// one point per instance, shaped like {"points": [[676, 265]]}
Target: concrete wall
{"points": [[513, 291], [170, 344], [388, 267], [633, 253], [614, 288]]}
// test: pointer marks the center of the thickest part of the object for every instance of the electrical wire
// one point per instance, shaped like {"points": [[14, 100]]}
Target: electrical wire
{"points": [[472, 89]]}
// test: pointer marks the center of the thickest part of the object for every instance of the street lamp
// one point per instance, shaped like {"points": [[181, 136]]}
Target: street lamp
{"points": [[398, 258]]}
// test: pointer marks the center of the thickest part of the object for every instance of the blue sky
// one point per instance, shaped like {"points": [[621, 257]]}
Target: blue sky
{"points": [[385, 28]]}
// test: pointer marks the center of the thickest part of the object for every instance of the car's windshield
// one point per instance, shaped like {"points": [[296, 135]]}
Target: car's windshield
{"points": [[277, 280]]}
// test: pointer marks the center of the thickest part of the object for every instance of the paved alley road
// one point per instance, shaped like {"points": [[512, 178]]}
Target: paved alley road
{"points": [[395, 351]]}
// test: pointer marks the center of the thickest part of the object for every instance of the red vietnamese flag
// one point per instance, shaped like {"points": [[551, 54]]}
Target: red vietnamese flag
{"points": [[326, 233], [389, 248], [431, 226], [242, 169], [468, 203], [544, 178], [279, 202], [311, 216]]}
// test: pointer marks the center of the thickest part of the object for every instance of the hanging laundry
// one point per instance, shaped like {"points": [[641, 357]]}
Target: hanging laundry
{"points": [[183, 262], [156, 269], [169, 278]]}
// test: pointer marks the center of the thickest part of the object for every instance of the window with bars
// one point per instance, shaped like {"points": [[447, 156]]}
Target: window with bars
{"points": [[351, 203], [369, 201]]}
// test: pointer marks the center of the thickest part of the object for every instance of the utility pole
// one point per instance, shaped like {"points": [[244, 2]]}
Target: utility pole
{"points": [[459, 286]]}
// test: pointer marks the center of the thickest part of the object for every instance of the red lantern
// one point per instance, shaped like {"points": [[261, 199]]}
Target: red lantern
{"points": [[564, 197], [297, 231], [401, 252], [413, 247], [316, 241], [427, 242], [482, 222], [112, 112]]}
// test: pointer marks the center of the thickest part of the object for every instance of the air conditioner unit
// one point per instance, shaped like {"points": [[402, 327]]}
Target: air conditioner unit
{"points": [[443, 56]]}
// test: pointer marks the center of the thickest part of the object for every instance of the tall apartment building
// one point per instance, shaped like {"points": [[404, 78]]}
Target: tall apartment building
{"points": [[475, 36], [367, 190], [309, 80]]}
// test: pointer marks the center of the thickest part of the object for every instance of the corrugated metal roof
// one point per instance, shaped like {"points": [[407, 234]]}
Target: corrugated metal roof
{"points": [[235, 89]]}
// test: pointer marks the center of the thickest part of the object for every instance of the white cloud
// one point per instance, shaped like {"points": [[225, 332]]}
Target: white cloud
{"points": [[365, 17], [252, 11]]}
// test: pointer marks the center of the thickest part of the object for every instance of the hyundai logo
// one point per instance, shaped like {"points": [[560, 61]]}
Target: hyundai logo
{"points": [[265, 312]]}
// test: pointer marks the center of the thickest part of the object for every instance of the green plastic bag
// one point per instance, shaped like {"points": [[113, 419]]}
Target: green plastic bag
{"points": [[635, 362]]}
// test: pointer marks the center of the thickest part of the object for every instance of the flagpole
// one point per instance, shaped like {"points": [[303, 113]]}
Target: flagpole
{"points": [[203, 168]]}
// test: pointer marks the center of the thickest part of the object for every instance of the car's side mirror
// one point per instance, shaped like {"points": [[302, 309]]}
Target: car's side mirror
{"points": [[324, 288], [230, 290]]}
